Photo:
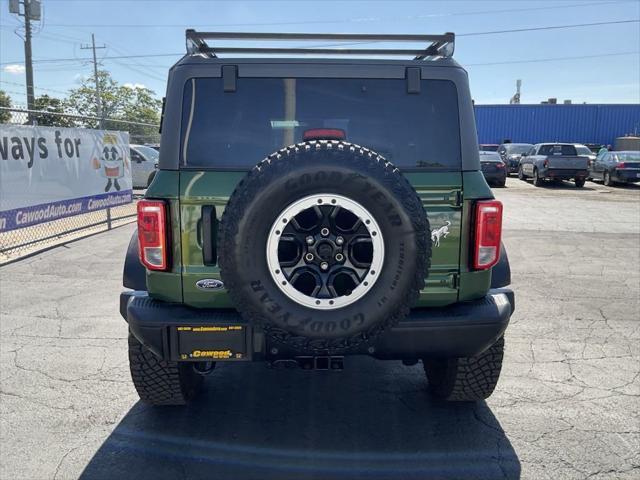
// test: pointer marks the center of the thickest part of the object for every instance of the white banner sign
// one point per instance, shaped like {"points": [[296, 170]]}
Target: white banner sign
{"points": [[47, 173]]}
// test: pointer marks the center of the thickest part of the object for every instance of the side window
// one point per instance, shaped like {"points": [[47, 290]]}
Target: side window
{"points": [[136, 157]]}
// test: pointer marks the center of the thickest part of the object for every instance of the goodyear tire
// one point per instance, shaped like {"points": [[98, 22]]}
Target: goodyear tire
{"points": [[466, 379], [355, 238], [160, 382]]}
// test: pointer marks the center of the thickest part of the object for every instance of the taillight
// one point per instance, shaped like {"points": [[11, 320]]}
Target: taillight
{"points": [[545, 163], [324, 134], [621, 165], [500, 165], [152, 234], [488, 234]]}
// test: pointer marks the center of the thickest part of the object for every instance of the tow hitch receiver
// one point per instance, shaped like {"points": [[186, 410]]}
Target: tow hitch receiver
{"points": [[321, 363], [311, 363]]}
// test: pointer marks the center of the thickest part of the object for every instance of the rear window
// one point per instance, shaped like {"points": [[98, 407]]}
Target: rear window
{"points": [[568, 150], [490, 156], [235, 130], [489, 148], [582, 150], [628, 156], [517, 148]]}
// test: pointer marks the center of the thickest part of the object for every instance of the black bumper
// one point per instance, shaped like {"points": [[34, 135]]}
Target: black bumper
{"points": [[459, 330], [565, 174], [497, 176], [627, 176]]}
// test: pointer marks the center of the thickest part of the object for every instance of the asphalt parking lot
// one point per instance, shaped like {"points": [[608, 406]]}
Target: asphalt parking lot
{"points": [[567, 405]]}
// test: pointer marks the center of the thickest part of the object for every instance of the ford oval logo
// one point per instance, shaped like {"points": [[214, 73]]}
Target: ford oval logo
{"points": [[209, 284]]}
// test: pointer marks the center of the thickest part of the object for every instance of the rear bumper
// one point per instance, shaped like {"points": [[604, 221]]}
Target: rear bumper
{"points": [[497, 176], [460, 330], [629, 176], [565, 174]]}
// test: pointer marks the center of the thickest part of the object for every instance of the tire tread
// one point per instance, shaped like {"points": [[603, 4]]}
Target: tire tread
{"points": [[467, 378], [161, 382]]}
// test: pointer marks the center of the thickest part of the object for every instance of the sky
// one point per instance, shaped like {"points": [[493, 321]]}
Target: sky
{"points": [[593, 64]]}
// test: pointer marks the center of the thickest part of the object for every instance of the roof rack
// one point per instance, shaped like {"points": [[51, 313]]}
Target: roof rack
{"points": [[439, 46]]}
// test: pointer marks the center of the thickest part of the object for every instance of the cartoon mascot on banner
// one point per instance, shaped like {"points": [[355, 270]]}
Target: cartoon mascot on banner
{"points": [[112, 162]]}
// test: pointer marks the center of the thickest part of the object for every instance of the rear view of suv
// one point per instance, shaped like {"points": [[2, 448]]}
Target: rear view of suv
{"points": [[309, 209]]}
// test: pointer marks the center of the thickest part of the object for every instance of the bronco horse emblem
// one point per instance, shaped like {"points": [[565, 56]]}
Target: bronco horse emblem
{"points": [[438, 233]]}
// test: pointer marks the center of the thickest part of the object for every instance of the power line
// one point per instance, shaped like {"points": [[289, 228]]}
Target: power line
{"points": [[36, 88], [552, 27], [132, 67], [552, 59], [336, 21], [49, 60], [494, 32]]}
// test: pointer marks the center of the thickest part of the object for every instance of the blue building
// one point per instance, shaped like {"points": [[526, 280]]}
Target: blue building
{"points": [[595, 123]]}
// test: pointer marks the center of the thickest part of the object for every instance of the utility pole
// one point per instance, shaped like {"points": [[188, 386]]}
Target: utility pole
{"points": [[515, 100], [95, 77], [31, 11], [28, 61]]}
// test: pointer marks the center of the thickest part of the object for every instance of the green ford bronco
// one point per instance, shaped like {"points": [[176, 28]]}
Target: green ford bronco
{"points": [[312, 204]]}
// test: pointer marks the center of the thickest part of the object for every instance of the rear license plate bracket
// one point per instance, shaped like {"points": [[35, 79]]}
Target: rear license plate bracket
{"points": [[199, 343]]}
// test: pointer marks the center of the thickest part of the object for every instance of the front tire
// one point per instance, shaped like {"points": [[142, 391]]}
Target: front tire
{"points": [[521, 173], [466, 379], [161, 382]]}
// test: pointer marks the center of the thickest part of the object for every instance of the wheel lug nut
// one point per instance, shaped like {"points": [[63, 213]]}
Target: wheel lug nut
{"points": [[310, 240], [324, 265], [339, 257], [339, 240], [309, 257], [324, 232]]}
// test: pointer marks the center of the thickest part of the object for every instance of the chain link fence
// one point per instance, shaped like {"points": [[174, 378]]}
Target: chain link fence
{"points": [[21, 242], [139, 132]]}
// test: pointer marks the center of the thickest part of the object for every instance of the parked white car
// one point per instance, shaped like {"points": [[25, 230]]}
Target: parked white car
{"points": [[144, 161]]}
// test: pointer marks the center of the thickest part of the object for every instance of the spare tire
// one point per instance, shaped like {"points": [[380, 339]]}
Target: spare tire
{"points": [[324, 245]]}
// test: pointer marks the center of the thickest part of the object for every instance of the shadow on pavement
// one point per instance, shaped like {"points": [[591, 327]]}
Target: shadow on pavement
{"points": [[621, 186], [564, 185], [374, 419]]}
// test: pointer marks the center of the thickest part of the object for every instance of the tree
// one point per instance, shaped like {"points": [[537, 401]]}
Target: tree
{"points": [[118, 102], [139, 105], [5, 101], [55, 106]]}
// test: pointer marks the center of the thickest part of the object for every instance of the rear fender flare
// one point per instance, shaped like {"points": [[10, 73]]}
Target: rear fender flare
{"points": [[134, 274], [501, 272]]}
